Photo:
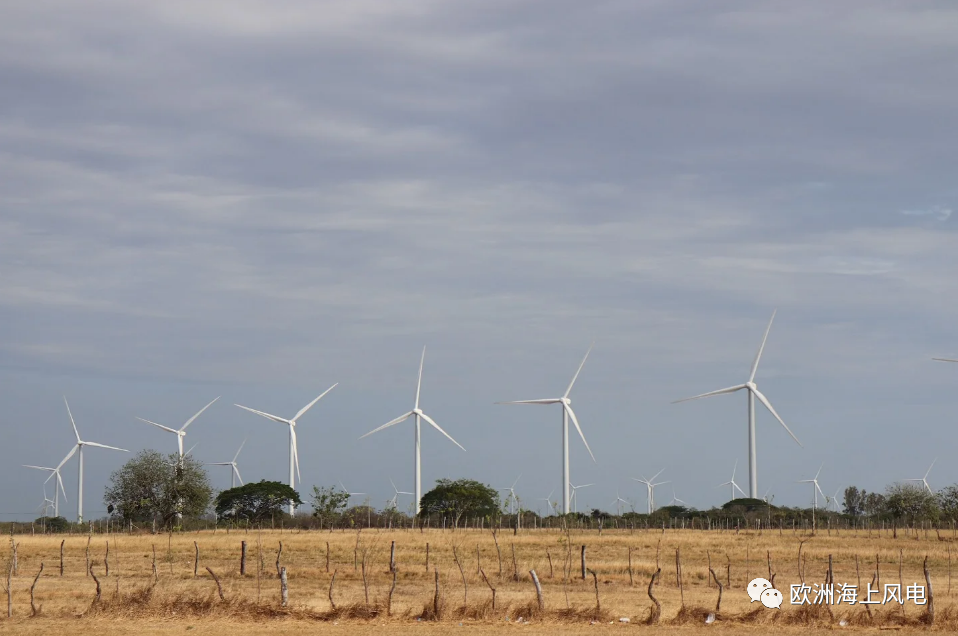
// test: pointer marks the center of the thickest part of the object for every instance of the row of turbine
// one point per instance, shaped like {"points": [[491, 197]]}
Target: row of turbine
{"points": [[417, 413]]}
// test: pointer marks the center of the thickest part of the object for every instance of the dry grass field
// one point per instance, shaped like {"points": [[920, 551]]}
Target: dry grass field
{"points": [[133, 600]]}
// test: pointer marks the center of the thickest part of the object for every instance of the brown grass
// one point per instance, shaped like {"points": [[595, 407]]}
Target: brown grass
{"points": [[131, 600]]}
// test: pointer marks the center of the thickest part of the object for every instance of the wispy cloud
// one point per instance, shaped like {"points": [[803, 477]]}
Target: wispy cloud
{"points": [[936, 211]]}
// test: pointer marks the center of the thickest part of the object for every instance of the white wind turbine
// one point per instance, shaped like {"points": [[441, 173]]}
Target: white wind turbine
{"points": [[768, 499], [924, 480], [180, 432], [511, 497], [349, 495], [816, 489], [54, 472], [79, 447], [293, 449], [575, 500], [47, 503], [651, 488], [833, 500], [617, 502], [418, 413], [548, 499], [753, 392], [394, 502], [675, 499], [731, 483], [567, 413], [235, 474]]}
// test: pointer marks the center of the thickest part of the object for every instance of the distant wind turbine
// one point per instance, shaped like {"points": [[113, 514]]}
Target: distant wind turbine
{"points": [[180, 432], [548, 500], [419, 415], [651, 488], [394, 502], [575, 500], [675, 499], [235, 474], [731, 483], [293, 450], [349, 495], [511, 497], [924, 480], [816, 489], [79, 447], [753, 392], [567, 413], [54, 472], [617, 502]]}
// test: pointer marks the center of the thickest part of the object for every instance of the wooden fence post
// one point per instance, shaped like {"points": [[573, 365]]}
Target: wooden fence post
{"points": [[583, 563], [283, 587], [535, 581], [243, 558]]}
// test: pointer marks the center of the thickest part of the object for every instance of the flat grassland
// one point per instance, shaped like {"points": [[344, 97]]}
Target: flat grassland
{"points": [[135, 600]]}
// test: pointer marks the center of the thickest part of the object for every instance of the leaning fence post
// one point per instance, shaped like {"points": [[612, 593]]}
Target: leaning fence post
{"points": [[196, 560], [535, 581]]}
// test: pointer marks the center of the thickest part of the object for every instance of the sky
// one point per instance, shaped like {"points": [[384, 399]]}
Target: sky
{"points": [[257, 200]]}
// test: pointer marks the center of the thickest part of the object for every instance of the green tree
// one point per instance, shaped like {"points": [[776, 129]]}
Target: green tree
{"points": [[153, 486], [854, 501], [948, 502], [257, 501], [462, 497], [910, 503], [329, 503]]}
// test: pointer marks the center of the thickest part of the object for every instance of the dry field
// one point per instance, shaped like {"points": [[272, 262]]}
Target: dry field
{"points": [[175, 601]]}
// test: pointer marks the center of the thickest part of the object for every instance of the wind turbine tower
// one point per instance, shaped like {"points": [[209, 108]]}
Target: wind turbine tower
{"points": [[567, 413], [752, 390]]}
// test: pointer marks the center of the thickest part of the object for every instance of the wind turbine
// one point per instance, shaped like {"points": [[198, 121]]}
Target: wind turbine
{"points": [[753, 392], [833, 500], [394, 502], [567, 413], [548, 499], [235, 474], [180, 432], [768, 499], [511, 497], [924, 480], [574, 498], [79, 447], [816, 489], [293, 451], [47, 503], [651, 487], [349, 495], [732, 483], [617, 502], [56, 493], [675, 499], [419, 416]]}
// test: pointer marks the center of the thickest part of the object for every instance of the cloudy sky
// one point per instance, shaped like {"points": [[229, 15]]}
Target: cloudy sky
{"points": [[257, 200]]}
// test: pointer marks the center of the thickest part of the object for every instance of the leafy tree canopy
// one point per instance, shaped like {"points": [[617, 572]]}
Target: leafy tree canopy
{"points": [[329, 503], [462, 497], [152, 485], [256, 501], [910, 503]]}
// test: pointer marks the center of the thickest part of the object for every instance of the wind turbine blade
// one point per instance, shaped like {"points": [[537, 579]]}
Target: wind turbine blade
{"points": [[738, 489], [544, 401], [758, 356], [819, 471], [422, 361], [310, 405], [585, 485], [190, 421], [657, 474], [436, 426], [105, 446], [578, 428], [945, 359], [236, 470], [236, 456], [768, 405], [191, 449], [70, 413], [388, 424], [67, 458], [581, 364], [220, 464], [165, 428], [824, 496], [52, 470], [292, 434], [734, 468], [516, 481], [930, 467], [731, 389], [261, 413]]}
